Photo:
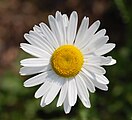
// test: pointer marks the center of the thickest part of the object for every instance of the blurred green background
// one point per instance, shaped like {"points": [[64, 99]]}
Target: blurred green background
{"points": [[19, 16]]}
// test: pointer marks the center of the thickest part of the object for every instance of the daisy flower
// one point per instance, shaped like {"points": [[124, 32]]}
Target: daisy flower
{"points": [[69, 62]]}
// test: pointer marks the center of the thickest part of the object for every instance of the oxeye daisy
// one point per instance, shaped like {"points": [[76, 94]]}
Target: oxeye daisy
{"points": [[68, 62]]}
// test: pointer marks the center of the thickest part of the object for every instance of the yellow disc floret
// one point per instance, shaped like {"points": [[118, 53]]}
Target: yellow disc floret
{"points": [[67, 61]]}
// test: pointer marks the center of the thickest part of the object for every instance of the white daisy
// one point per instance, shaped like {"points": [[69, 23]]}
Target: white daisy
{"points": [[69, 62]]}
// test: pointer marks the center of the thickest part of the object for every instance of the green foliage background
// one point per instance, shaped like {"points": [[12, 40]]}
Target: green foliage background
{"points": [[18, 103]]}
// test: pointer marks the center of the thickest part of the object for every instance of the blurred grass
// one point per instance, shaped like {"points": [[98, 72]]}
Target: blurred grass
{"points": [[18, 103]]}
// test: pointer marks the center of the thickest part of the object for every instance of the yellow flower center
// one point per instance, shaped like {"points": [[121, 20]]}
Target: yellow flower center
{"points": [[67, 61]]}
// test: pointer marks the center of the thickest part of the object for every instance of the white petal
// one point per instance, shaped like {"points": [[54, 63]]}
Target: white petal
{"points": [[38, 79], [37, 29], [32, 70], [88, 82], [67, 107], [98, 35], [72, 92], [63, 93], [56, 86], [89, 34], [112, 62], [72, 27], [100, 86], [94, 27], [44, 88], [95, 45], [57, 14], [38, 40], [96, 60], [81, 87], [106, 60], [49, 35], [56, 27], [82, 91], [35, 51], [61, 22], [65, 20], [42, 40], [105, 49], [42, 103], [96, 83], [86, 103], [101, 79], [34, 62], [81, 31], [95, 69], [85, 71]]}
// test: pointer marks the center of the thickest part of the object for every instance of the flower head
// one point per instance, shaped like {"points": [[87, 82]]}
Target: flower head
{"points": [[69, 62]]}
